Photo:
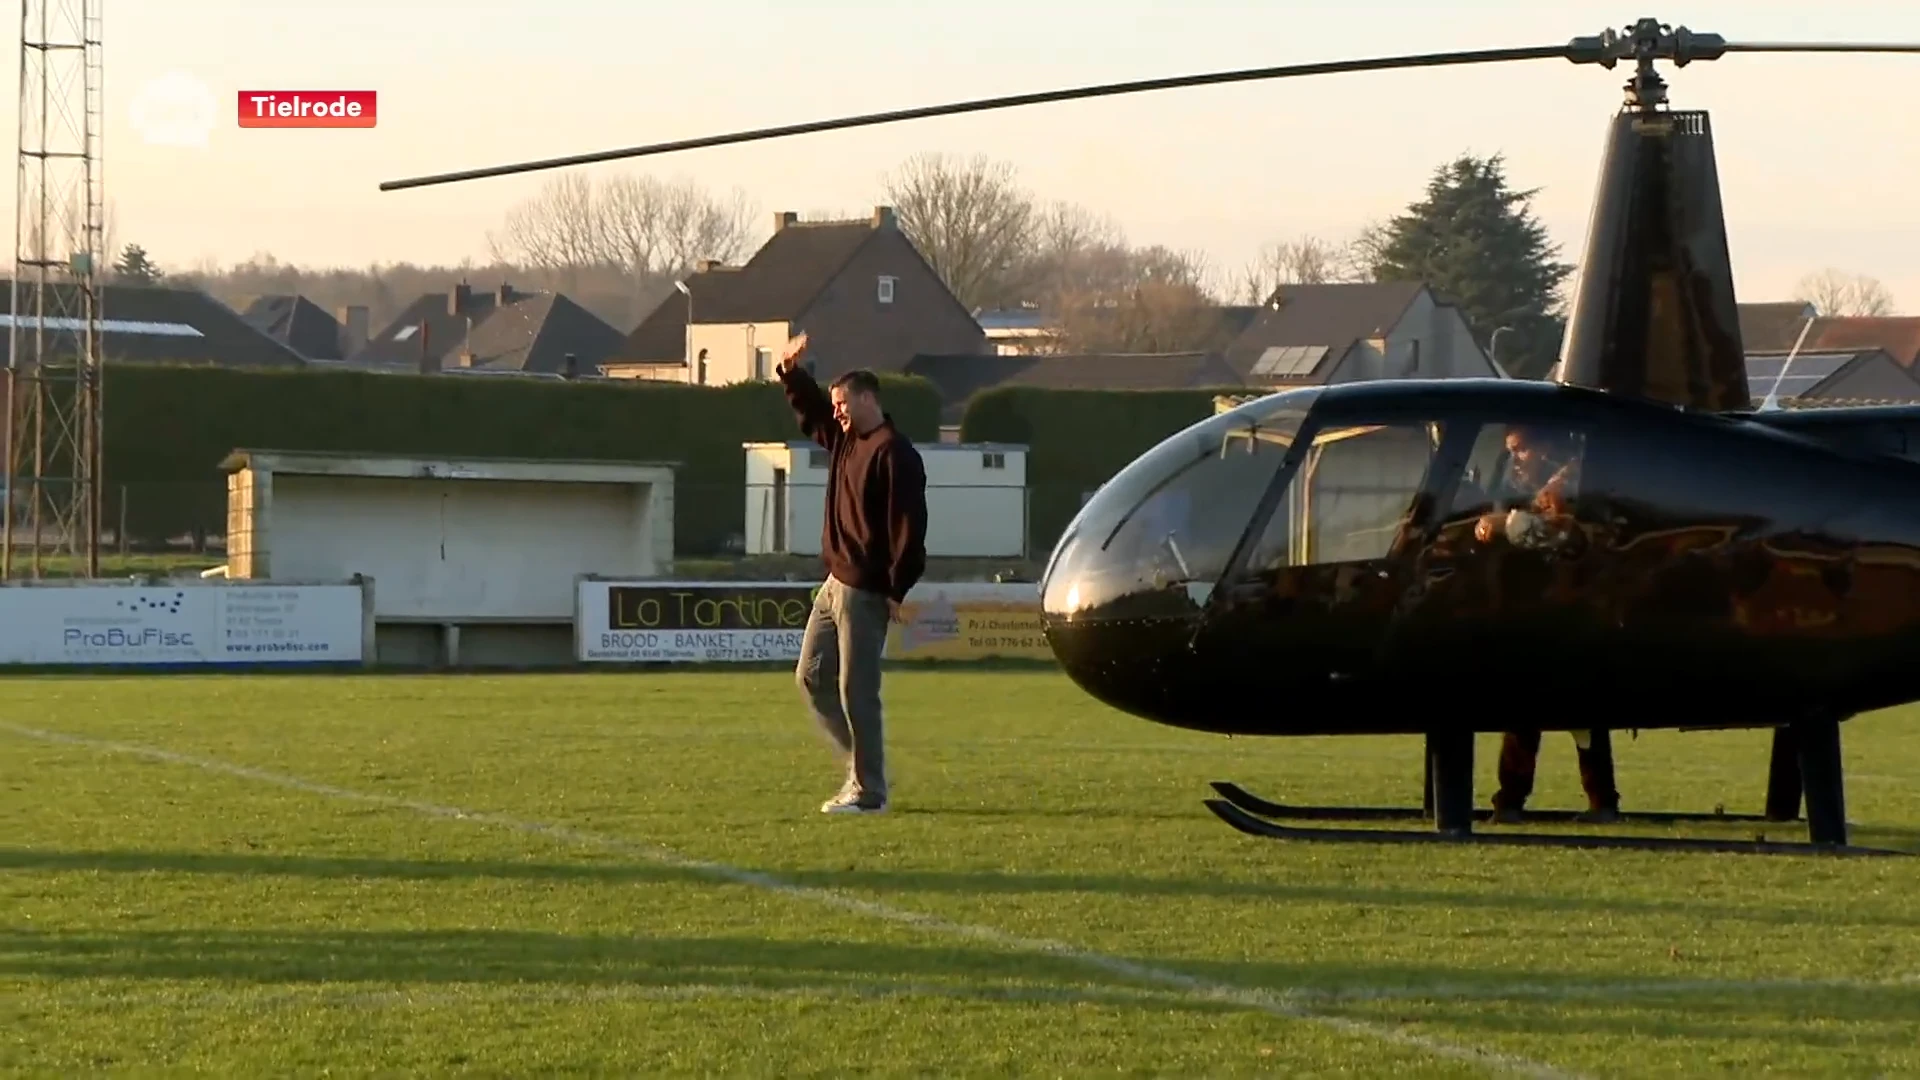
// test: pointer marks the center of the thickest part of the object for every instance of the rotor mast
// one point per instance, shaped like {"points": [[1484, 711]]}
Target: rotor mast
{"points": [[1654, 314]]}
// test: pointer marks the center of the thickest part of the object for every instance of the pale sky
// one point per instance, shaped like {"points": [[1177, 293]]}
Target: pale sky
{"points": [[1819, 157]]}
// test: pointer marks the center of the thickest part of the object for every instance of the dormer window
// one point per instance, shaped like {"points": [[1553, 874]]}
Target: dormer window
{"points": [[886, 289]]}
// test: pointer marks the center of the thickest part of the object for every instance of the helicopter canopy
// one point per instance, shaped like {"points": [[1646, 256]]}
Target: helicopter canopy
{"points": [[1175, 515]]}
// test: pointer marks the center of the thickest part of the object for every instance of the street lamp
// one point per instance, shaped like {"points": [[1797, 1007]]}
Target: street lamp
{"points": [[688, 357], [1493, 347]]}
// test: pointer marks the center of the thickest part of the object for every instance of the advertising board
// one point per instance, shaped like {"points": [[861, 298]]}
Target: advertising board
{"points": [[117, 623], [700, 621], [750, 621], [969, 621]]}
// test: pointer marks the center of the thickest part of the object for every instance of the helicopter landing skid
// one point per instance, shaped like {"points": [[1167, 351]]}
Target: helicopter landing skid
{"points": [[1256, 826], [1806, 767], [1253, 804]]}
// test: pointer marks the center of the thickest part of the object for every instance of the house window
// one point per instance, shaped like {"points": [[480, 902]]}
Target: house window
{"points": [[886, 289], [816, 459], [993, 459], [762, 364]]}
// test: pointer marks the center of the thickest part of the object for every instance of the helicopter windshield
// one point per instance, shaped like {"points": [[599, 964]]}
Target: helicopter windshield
{"points": [[1165, 526]]}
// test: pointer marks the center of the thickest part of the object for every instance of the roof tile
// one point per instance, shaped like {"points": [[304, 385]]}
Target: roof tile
{"points": [[161, 324]]}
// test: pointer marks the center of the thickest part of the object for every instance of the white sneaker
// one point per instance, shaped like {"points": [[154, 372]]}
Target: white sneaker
{"points": [[852, 802]]}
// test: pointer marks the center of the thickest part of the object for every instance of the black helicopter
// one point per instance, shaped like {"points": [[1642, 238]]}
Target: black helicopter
{"points": [[1342, 559]]}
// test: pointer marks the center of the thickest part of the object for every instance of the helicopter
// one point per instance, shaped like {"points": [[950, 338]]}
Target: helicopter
{"points": [[1340, 559]]}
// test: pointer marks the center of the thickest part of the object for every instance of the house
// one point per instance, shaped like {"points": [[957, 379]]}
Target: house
{"points": [[958, 379], [502, 330], [1898, 335], [1021, 331], [1830, 375], [1353, 331], [1773, 326], [1777, 327], [859, 289], [151, 324], [307, 328]]}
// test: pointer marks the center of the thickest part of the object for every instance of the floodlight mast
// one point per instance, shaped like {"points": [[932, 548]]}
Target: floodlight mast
{"points": [[53, 432]]}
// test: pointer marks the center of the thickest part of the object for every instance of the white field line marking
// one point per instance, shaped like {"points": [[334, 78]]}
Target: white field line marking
{"points": [[1275, 1004]]}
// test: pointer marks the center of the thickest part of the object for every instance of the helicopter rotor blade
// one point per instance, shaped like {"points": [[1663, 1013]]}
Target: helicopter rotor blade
{"points": [[1333, 67], [1821, 47]]}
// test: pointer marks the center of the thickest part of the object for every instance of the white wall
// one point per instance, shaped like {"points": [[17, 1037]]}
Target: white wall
{"points": [[730, 349], [805, 493], [961, 464], [463, 549], [976, 522], [972, 511]]}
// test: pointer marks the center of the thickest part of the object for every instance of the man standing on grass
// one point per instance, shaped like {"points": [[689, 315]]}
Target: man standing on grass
{"points": [[873, 538]]}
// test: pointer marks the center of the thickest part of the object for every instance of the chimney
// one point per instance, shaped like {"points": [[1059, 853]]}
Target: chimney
{"points": [[705, 266], [504, 295], [460, 299], [883, 218], [428, 365], [572, 368], [783, 219], [353, 329]]}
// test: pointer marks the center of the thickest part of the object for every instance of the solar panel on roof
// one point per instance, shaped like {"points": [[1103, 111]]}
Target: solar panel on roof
{"points": [[108, 326], [1819, 365], [1289, 361], [1804, 373]]}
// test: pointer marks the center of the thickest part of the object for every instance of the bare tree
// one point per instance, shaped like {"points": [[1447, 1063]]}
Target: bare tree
{"points": [[1306, 260], [67, 235], [657, 230], [561, 231], [1835, 292], [971, 220], [1367, 251], [645, 227], [1126, 300]]}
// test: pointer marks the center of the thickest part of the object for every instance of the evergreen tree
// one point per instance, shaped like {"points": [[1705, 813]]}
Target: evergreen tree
{"points": [[135, 267], [1476, 242]]}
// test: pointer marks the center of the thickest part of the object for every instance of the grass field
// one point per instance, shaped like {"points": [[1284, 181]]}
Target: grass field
{"points": [[628, 874]]}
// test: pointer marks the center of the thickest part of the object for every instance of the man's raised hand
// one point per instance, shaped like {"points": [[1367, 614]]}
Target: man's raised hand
{"points": [[796, 345]]}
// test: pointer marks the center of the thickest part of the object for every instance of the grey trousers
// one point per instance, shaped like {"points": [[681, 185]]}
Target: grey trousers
{"points": [[839, 672]]}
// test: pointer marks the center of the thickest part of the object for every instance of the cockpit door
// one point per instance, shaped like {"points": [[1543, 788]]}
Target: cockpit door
{"points": [[1504, 576], [1312, 592]]}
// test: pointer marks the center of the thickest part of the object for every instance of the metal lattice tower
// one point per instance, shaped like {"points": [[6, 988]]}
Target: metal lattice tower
{"points": [[53, 432]]}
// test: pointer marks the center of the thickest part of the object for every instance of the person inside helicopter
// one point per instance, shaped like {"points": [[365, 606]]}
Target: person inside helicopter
{"points": [[1531, 509], [1530, 500]]}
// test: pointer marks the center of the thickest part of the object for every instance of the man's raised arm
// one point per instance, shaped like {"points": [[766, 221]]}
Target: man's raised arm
{"points": [[810, 404]]}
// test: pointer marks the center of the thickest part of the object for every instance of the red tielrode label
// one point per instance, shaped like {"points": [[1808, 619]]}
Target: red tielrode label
{"points": [[308, 108]]}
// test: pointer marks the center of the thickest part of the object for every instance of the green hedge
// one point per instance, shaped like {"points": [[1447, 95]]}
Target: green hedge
{"points": [[168, 427], [1078, 439]]}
